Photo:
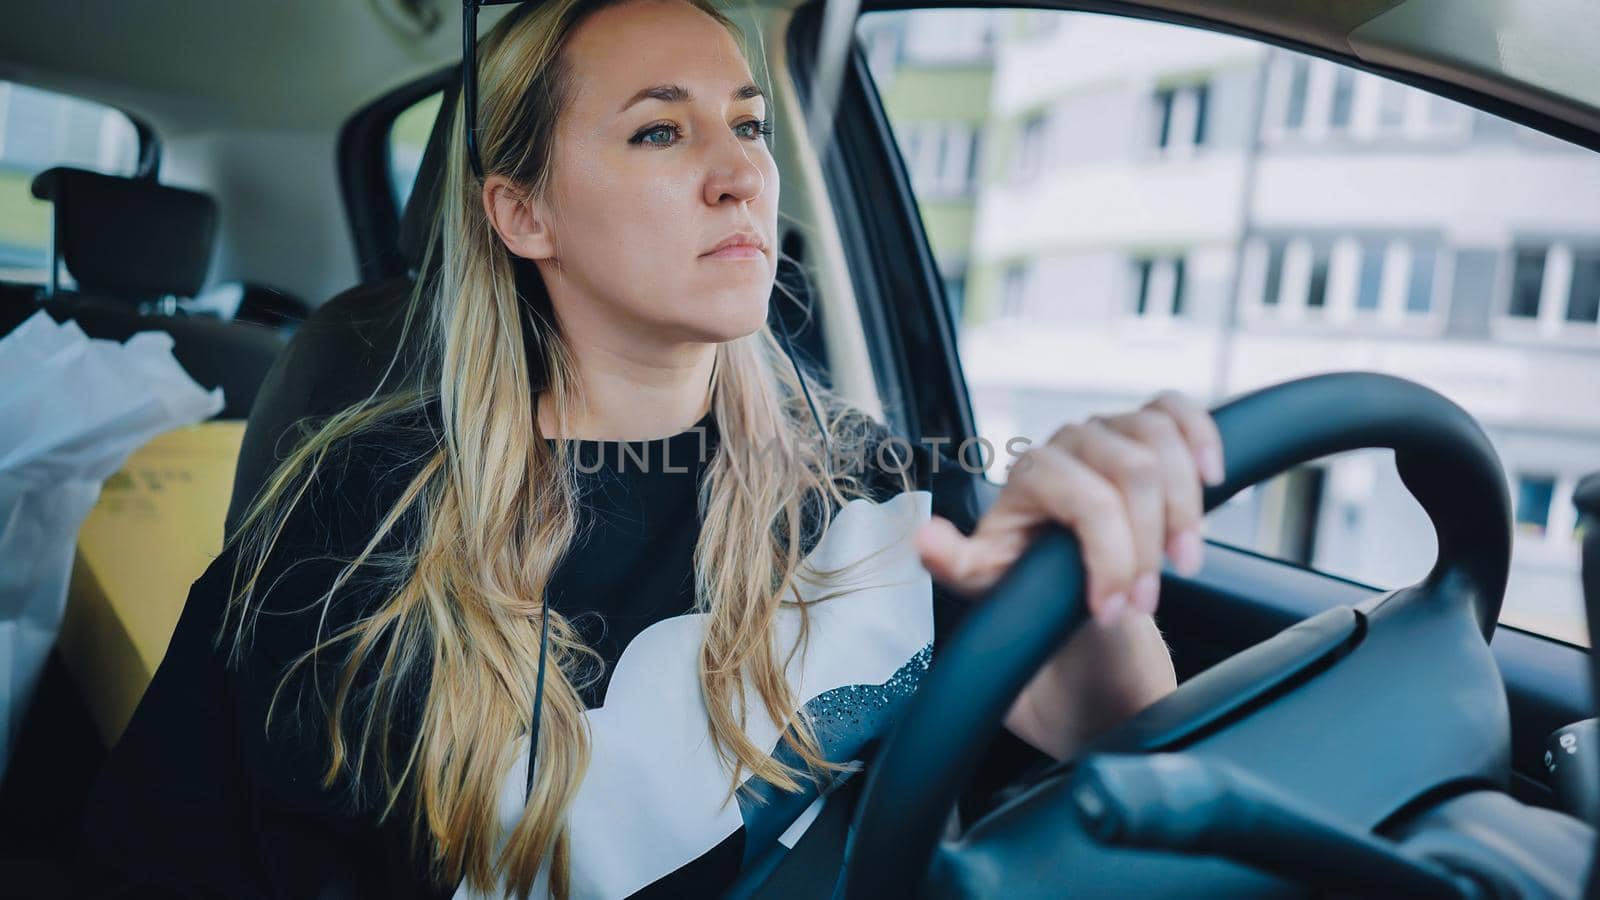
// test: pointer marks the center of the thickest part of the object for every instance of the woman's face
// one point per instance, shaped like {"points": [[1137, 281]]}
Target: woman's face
{"points": [[659, 158]]}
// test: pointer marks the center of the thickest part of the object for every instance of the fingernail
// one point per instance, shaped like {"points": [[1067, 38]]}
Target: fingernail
{"points": [[1211, 465], [1145, 591], [1188, 553], [1111, 610]]}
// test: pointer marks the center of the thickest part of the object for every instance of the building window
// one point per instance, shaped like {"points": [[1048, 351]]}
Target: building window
{"points": [[1365, 275], [1419, 289], [1583, 301], [1180, 116], [1164, 100], [1274, 286], [1557, 285], [1141, 300], [1158, 287], [1177, 287], [939, 157], [1534, 495], [1313, 97], [961, 145], [1369, 288], [1527, 281], [1317, 292], [1344, 91], [1294, 115]]}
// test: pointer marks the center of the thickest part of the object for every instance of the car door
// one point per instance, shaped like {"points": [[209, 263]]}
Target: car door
{"points": [[1049, 213]]}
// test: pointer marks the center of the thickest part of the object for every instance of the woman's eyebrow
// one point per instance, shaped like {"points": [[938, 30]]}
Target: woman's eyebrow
{"points": [[677, 93]]}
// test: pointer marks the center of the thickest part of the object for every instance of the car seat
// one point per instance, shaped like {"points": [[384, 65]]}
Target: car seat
{"points": [[129, 242]]}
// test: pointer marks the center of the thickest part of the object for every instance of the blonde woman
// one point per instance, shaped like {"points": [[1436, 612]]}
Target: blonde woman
{"points": [[607, 466]]}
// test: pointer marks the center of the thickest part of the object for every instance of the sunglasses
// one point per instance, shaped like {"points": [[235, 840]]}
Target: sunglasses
{"points": [[469, 74]]}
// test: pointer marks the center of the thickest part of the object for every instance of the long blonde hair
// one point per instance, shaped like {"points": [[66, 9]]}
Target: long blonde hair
{"points": [[497, 507]]}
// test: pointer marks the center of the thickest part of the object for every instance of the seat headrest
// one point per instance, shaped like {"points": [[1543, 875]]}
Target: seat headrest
{"points": [[127, 238], [422, 207]]}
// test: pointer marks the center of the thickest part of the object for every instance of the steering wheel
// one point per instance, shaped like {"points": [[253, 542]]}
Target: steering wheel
{"points": [[1444, 460]]}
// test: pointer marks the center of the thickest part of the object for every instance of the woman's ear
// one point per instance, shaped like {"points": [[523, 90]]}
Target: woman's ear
{"points": [[518, 218]]}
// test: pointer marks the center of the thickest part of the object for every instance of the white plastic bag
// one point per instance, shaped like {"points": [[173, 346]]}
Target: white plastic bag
{"points": [[71, 411]]}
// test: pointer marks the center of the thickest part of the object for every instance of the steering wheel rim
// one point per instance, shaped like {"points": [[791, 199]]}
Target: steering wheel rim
{"points": [[1443, 458]]}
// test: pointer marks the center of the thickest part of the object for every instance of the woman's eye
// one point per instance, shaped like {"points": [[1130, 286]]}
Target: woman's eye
{"points": [[644, 136], [664, 135], [757, 128]]}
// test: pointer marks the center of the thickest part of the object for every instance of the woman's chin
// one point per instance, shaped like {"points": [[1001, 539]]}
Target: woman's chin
{"points": [[730, 328], [729, 317]]}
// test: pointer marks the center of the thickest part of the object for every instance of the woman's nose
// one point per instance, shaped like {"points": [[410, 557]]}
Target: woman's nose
{"points": [[734, 173]]}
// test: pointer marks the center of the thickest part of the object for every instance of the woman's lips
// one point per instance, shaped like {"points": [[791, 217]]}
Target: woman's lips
{"points": [[737, 251]]}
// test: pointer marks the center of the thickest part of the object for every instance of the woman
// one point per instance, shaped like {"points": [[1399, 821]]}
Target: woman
{"points": [[606, 463]]}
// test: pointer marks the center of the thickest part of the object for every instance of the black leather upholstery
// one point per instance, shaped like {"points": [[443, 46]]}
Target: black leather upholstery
{"points": [[337, 357], [129, 238]]}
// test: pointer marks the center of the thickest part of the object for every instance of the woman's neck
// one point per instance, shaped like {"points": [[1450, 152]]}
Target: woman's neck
{"points": [[630, 398]]}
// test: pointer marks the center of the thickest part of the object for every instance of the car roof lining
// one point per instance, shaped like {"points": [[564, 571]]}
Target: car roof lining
{"points": [[189, 67]]}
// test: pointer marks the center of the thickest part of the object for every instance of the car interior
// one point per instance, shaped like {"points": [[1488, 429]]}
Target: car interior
{"points": [[1328, 736]]}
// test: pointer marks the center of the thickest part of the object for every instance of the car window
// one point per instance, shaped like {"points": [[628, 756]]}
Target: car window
{"points": [[1120, 206], [38, 130], [408, 137]]}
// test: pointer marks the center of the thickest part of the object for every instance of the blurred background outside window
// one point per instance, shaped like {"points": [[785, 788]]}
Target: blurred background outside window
{"points": [[1120, 206]]}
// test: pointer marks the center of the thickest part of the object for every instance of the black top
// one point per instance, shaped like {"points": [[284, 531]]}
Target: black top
{"points": [[196, 800]]}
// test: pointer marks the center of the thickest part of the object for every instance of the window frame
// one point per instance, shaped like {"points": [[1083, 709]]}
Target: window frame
{"points": [[364, 176], [910, 333]]}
